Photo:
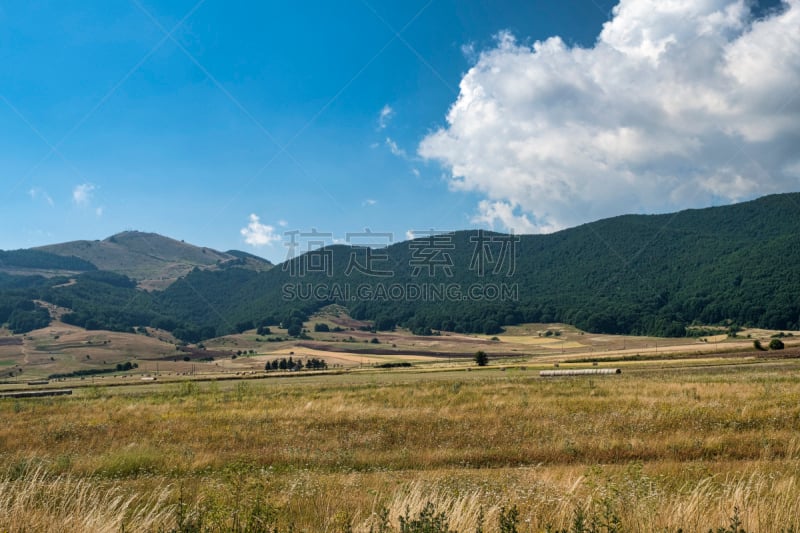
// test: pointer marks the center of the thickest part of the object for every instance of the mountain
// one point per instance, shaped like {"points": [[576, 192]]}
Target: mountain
{"points": [[248, 261], [153, 260], [642, 274], [647, 274]]}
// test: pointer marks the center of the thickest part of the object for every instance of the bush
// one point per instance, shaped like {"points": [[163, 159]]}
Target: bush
{"points": [[776, 344], [509, 519], [757, 345], [481, 358], [428, 521]]}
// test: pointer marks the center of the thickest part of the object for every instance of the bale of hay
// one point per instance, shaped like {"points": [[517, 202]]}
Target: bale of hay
{"points": [[36, 393], [580, 372]]}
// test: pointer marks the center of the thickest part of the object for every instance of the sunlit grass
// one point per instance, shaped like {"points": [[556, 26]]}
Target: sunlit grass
{"points": [[658, 449]]}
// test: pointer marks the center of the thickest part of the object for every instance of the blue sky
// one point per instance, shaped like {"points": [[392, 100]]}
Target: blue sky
{"points": [[226, 124]]}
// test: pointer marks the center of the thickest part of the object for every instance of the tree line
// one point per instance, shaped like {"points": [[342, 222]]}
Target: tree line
{"points": [[296, 364]]}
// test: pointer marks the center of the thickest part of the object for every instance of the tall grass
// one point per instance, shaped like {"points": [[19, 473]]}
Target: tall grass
{"points": [[649, 452], [36, 501]]}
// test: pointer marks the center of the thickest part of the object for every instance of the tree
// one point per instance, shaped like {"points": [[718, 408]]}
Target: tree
{"points": [[481, 358], [321, 327], [491, 327], [241, 327], [776, 344], [385, 324], [757, 345]]}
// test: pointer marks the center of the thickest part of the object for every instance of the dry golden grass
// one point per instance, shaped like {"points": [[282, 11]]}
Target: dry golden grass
{"points": [[36, 501], [657, 449]]}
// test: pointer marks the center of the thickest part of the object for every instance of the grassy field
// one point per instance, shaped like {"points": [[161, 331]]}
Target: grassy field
{"points": [[62, 348], [694, 444]]}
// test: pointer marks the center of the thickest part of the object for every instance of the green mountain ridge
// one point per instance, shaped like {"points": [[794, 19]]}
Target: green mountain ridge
{"points": [[40, 261], [642, 274], [150, 258]]}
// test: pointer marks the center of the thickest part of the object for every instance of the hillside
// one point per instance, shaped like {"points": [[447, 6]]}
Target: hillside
{"points": [[648, 274], [151, 259], [41, 263], [639, 274]]}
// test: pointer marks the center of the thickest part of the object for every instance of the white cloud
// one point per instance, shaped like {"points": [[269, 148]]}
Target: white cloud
{"points": [[258, 234], [415, 172], [468, 51], [396, 150], [282, 223], [369, 202], [491, 213], [678, 104], [82, 194], [99, 211], [385, 116], [37, 192], [410, 236]]}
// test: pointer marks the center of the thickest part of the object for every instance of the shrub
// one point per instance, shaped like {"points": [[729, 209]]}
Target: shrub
{"points": [[776, 344], [509, 519], [481, 358], [428, 521]]}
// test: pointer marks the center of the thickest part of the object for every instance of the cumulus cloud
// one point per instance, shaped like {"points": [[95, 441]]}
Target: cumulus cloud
{"points": [[678, 104], [258, 234], [492, 213], [385, 116], [82, 194]]}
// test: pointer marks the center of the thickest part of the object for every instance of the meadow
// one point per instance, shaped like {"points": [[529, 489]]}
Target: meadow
{"points": [[688, 447]]}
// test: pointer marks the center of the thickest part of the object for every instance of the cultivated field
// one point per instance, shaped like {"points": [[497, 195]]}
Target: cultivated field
{"points": [[687, 442]]}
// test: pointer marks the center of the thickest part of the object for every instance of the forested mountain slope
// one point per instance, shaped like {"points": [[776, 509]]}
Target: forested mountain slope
{"points": [[647, 274]]}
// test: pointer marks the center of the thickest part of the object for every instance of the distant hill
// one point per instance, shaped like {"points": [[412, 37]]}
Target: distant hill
{"points": [[248, 261], [153, 260], [38, 262], [736, 265]]}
